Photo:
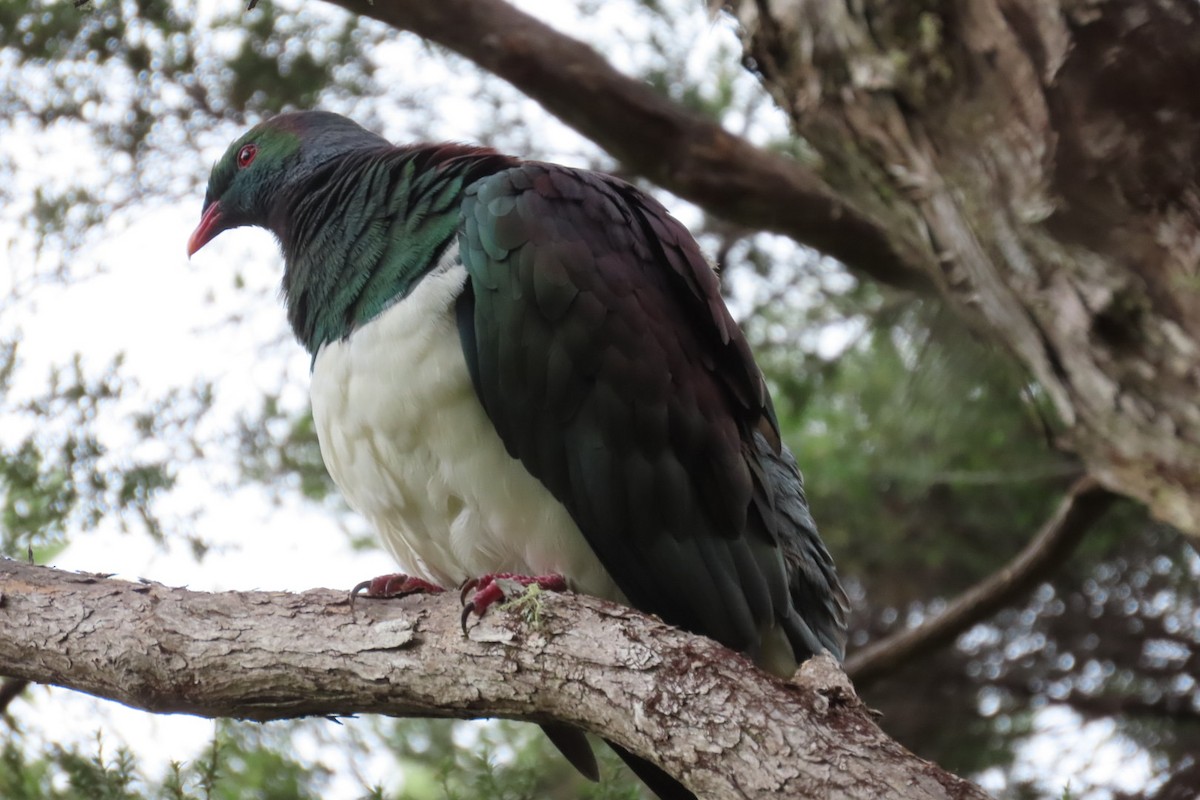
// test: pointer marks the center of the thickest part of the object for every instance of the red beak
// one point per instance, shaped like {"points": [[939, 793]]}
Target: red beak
{"points": [[209, 227]]}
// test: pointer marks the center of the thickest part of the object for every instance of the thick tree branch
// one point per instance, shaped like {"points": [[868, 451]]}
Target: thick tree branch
{"points": [[1084, 504], [676, 148], [726, 729]]}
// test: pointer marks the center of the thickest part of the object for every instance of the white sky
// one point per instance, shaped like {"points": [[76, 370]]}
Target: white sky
{"points": [[170, 319]]}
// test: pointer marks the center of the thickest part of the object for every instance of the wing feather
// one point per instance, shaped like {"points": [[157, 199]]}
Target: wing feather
{"points": [[605, 356]]}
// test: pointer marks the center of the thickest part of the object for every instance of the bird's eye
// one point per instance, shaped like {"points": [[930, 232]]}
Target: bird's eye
{"points": [[246, 155]]}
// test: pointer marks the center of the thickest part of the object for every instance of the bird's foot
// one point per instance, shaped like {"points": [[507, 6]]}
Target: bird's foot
{"points": [[396, 584], [488, 589]]}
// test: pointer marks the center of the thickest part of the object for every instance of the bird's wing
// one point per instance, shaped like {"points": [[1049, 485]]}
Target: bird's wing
{"points": [[601, 349]]}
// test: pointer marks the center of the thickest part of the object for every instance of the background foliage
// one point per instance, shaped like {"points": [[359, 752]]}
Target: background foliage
{"points": [[930, 460]]}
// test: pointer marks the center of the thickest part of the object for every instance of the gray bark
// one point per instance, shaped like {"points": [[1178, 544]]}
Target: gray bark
{"points": [[703, 713], [1042, 155]]}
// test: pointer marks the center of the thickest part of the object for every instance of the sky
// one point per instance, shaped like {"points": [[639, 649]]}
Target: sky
{"points": [[217, 318]]}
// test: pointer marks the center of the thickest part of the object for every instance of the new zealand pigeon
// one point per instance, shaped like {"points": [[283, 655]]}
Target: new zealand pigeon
{"points": [[527, 371]]}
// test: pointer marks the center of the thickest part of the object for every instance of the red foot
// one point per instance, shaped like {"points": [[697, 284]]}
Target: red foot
{"points": [[491, 588], [397, 584]]}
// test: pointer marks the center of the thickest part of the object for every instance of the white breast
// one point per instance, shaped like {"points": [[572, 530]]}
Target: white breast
{"points": [[404, 436]]}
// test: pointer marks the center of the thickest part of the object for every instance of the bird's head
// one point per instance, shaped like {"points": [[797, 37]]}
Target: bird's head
{"points": [[263, 167]]}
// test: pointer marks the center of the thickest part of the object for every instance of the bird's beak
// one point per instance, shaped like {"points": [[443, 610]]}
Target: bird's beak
{"points": [[209, 227]]}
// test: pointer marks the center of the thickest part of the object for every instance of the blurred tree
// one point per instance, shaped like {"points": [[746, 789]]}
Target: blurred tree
{"points": [[966, 139]]}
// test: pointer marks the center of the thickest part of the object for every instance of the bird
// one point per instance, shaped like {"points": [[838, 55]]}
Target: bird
{"points": [[525, 374]]}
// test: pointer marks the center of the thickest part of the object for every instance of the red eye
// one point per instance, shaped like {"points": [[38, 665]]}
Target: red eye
{"points": [[246, 155]]}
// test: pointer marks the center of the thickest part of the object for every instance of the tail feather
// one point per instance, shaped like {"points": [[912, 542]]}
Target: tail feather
{"points": [[659, 782], [575, 747]]}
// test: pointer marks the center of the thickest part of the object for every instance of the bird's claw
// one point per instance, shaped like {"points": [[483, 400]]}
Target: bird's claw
{"points": [[491, 588], [395, 584], [468, 609], [468, 585]]}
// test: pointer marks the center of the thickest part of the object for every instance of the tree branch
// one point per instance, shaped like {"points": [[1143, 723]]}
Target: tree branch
{"points": [[1084, 504], [1153, 709], [707, 716], [676, 148]]}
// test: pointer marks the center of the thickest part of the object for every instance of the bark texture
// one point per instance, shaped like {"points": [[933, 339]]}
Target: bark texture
{"points": [[703, 713], [1044, 155]]}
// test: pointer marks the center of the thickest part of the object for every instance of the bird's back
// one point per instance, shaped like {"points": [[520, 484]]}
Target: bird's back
{"points": [[603, 352]]}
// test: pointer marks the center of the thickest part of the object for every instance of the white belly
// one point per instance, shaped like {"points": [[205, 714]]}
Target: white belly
{"points": [[404, 436]]}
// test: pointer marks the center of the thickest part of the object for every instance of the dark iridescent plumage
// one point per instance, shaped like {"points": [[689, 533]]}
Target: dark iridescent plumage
{"points": [[598, 346], [602, 351]]}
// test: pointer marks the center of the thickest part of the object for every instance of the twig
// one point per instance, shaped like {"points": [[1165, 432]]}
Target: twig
{"points": [[1106, 704], [1084, 504]]}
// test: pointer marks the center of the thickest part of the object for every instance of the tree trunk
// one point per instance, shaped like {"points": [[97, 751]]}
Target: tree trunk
{"points": [[1041, 155], [703, 713]]}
